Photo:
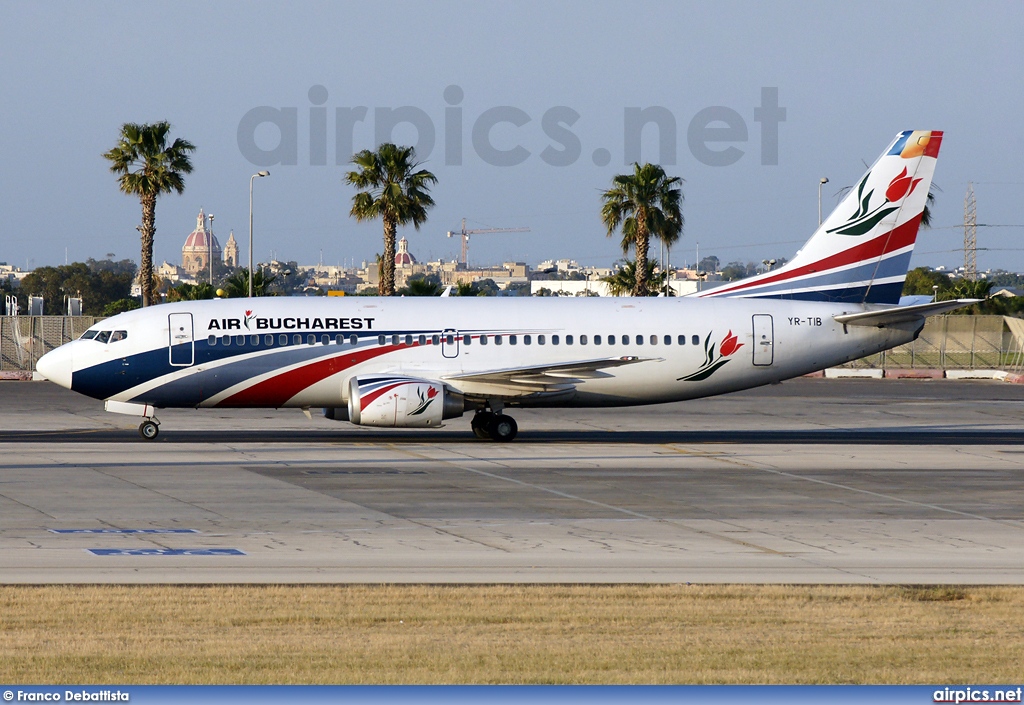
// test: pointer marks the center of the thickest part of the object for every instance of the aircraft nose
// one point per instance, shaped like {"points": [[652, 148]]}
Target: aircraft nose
{"points": [[56, 366]]}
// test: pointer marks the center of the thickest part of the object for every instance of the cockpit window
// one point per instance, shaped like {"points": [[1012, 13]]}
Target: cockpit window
{"points": [[118, 335], [89, 334], [103, 336]]}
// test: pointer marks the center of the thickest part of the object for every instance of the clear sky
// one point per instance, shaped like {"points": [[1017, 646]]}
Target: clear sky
{"points": [[528, 104]]}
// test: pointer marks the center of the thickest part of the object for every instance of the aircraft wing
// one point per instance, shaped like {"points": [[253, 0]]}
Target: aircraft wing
{"points": [[901, 314], [555, 377]]}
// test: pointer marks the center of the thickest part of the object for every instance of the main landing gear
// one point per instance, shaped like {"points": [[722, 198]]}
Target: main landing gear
{"points": [[488, 425], [149, 429]]}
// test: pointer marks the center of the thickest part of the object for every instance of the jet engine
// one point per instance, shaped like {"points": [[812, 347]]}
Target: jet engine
{"points": [[406, 402]]}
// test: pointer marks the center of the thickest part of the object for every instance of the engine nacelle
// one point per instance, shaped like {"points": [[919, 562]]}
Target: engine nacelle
{"points": [[406, 402]]}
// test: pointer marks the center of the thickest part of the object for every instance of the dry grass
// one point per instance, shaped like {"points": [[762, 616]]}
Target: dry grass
{"points": [[510, 634]]}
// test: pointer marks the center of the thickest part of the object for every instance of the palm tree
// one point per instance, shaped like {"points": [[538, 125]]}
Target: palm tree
{"points": [[237, 285], [190, 292], [393, 190], [148, 168], [929, 203], [623, 282], [645, 203], [421, 286]]}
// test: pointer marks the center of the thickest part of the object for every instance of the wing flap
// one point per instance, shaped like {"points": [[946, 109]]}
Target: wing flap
{"points": [[559, 375]]}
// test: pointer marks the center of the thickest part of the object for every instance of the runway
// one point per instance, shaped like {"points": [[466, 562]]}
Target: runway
{"points": [[811, 481]]}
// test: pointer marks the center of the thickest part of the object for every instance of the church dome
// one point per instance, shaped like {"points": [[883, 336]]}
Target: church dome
{"points": [[201, 238], [200, 246], [404, 258]]}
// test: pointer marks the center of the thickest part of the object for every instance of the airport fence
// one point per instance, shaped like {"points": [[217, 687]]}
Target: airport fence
{"points": [[957, 343], [947, 342], [25, 339]]}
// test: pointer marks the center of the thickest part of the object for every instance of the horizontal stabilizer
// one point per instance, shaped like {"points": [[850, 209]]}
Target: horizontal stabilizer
{"points": [[901, 314]]}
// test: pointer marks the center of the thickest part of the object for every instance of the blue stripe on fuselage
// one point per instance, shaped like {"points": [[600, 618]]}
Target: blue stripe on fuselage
{"points": [[113, 377]]}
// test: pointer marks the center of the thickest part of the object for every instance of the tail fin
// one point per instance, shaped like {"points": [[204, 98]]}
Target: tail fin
{"points": [[861, 253]]}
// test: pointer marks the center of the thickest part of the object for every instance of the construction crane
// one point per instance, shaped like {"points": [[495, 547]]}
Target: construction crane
{"points": [[464, 259]]}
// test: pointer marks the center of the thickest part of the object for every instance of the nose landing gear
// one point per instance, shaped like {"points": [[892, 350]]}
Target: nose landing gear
{"points": [[488, 425], [149, 429]]}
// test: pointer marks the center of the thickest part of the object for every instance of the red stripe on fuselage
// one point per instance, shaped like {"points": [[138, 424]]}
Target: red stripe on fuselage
{"points": [[891, 241], [277, 390]]}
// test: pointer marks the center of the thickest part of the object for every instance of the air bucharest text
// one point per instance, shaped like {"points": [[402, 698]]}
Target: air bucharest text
{"points": [[292, 323]]}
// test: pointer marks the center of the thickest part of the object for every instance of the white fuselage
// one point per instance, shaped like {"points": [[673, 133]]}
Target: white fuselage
{"points": [[300, 352]]}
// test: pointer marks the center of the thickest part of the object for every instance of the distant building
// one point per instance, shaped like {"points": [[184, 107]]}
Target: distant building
{"points": [[200, 245], [231, 251]]}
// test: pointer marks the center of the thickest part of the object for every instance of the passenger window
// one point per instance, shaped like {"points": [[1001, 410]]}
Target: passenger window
{"points": [[408, 340], [225, 340], [395, 339], [639, 340], [513, 340], [254, 340], [483, 340], [296, 339], [268, 340], [497, 340], [282, 339], [325, 339], [611, 340], [654, 339], [450, 339], [423, 340], [381, 339], [568, 340], [554, 340], [597, 340], [212, 340], [668, 340], [682, 340], [541, 339], [625, 339], [240, 340], [435, 340], [353, 339], [695, 340], [527, 340], [311, 339], [339, 339], [583, 339], [467, 339]]}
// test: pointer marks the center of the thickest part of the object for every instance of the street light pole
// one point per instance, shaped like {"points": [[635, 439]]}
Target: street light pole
{"points": [[822, 182], [251, 179], [210, 243]]}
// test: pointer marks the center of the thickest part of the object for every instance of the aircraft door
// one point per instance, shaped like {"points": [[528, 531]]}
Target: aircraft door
{"points": [[181, 343], [450, 342], [764, 340]]}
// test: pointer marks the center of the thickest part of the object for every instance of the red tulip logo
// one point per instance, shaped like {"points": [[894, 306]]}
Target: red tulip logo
{"points": [[901, 187], [713, 360], [729, 345], [425, 401], [248, 313]]}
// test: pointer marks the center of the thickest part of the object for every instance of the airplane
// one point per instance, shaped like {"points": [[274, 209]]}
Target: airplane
{"points": [[417, 362]]}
